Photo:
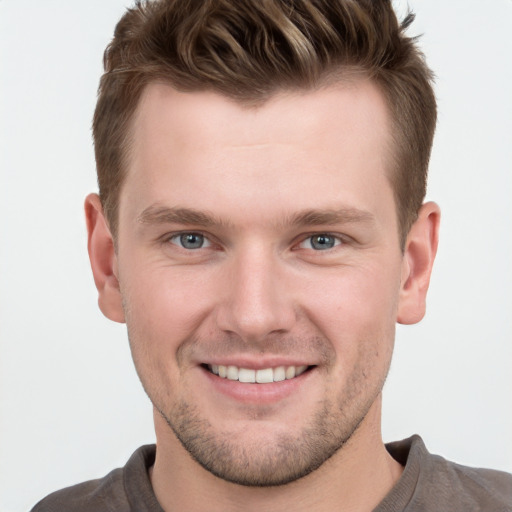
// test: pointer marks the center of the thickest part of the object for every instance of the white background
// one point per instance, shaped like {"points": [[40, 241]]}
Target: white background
{"points": [[71, 404]]}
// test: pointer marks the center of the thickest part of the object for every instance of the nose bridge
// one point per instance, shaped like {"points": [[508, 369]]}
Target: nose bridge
{"points": [[258, 301]]}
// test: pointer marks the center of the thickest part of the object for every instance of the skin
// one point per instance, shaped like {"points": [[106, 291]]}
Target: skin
{"points": [[259, 186]]}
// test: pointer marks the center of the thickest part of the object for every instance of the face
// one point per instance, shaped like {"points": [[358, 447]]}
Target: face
{"points": [[260, 268]]}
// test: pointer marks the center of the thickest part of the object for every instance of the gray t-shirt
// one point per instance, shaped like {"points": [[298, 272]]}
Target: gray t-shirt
{"points": [[428, 483]]}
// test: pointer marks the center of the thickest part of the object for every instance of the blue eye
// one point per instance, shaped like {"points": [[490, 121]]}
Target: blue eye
{"points": [[320, 242], [190, 241]]}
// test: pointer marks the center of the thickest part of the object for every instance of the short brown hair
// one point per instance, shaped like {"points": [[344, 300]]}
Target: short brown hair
{"points": [[249, 49]]}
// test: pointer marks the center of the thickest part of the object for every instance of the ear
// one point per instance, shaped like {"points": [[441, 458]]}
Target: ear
{"points": [[419, 254], [103, 260]]}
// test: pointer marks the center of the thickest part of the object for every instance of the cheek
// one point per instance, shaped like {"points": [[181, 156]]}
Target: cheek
{"points": [[358, 307], [159, 317], [166, 305], [359, 321]]}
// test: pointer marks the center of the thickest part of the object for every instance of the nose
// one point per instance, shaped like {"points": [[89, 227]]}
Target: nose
{"points": [[257, 299]]}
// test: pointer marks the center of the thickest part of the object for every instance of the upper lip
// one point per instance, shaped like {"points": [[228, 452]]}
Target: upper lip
{"points": [[257, 364]]}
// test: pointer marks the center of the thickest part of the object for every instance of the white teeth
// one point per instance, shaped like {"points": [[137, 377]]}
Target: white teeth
{"points": [[299, 370], [245, 375], [232, 373], [290, 372], [263, 376], [279, 374]]}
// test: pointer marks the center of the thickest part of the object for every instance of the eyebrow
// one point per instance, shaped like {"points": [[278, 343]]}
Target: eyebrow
{"points": [[311, 217], [330, 216], [166, 215]]}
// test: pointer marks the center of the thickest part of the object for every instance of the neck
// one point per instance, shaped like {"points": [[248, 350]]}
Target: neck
{"points": [[356, 478]]}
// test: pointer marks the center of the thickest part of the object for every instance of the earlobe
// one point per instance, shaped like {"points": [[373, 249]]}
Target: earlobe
{"points": [[419, 255], [103, 260]]}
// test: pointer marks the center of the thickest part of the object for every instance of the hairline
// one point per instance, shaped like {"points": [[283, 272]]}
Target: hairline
{"points": [[344, 75]]}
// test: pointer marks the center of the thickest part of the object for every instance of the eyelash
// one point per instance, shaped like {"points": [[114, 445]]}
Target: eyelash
{"points": [[338, 240], [179, 236]]}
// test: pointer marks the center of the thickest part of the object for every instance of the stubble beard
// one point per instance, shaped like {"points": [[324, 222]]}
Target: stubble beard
{"points": [[285, 458]]}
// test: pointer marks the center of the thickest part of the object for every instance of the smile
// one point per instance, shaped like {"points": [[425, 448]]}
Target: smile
{"points": [[263, 376]]}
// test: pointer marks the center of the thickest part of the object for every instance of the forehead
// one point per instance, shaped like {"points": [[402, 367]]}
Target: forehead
{"points": [[351, 106], [291, 151]]}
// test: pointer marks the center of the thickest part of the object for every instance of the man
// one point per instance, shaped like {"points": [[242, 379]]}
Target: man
{"points": [[260, 229]]}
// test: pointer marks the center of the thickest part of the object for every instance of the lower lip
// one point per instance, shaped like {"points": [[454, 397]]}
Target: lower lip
{"points": [[257, 393]]}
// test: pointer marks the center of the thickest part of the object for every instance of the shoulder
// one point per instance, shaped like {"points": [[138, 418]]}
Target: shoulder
{"points": [[105, 494], [434, 483], [477, 488]]}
